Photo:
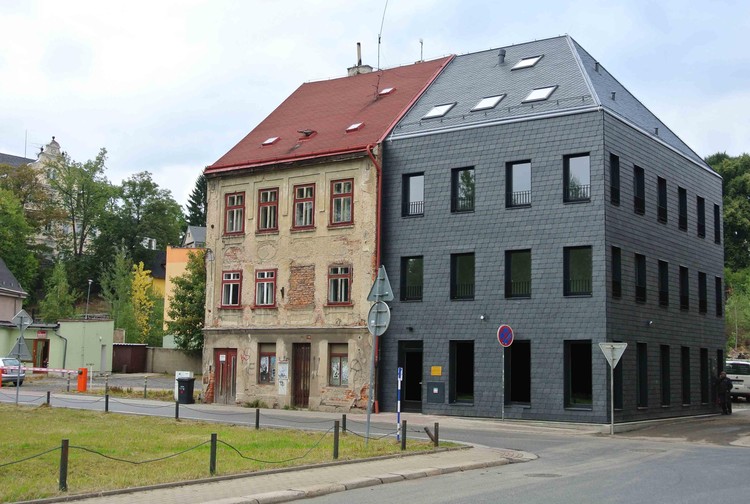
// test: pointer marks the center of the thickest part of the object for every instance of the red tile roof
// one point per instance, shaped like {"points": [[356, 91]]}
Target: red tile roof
{"points": [[328, 108]]}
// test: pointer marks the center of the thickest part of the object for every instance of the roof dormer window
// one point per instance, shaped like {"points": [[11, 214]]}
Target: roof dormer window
{"points": [[439, 110], [355, 127], [539, 94], [527, 62], [487, 103], [386, 91], [270, 141]]}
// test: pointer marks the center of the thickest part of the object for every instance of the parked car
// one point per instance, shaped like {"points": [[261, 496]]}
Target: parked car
{"points": [[9, 371], [739, 372]]}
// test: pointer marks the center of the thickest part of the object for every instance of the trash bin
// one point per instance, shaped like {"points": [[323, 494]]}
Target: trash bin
{"points": [[185, 390], [177, 376]]}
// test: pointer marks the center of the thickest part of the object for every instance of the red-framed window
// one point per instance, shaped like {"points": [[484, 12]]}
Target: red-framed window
{"points": [[231, 289], [339, 365], [342, 202], [339, 285], [268, 210], [266, 363], [234, 213], [304, 206], [265, 288]]}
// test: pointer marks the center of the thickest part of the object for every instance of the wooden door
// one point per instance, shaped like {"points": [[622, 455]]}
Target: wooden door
{"points": [[301, 375], [225, 379]]}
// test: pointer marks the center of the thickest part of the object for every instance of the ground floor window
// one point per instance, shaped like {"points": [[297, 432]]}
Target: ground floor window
{"points": [[641, 377], [462, 371], [518, 372], [266, 363], [578, 391], [666, 390], [704, 375], [339, 364], [685, 366]]}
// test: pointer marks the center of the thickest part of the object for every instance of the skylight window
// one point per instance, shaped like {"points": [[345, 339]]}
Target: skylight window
{"points": [[270, 141], [488, 103], [540, 94], [438, 111], [354, 127], [527, 62], [386, 91]]}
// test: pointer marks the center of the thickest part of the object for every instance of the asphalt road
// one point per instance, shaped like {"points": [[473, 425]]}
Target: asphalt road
{"points": [[56, 383]]}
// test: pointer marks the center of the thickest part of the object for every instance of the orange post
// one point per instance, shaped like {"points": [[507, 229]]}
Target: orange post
{"points": [[83, 375]]}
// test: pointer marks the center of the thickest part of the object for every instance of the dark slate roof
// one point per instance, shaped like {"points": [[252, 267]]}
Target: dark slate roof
{"points": [[582, 85], [324, 110], [198, 233], [9, 159], [158, 265], [8, 282]]}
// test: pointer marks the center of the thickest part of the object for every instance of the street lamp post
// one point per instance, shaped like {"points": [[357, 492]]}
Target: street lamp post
{"points": [[88, 296]]}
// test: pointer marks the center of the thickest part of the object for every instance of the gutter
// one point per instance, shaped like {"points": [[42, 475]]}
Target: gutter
{"points": [[65, 345], [379, 182]]}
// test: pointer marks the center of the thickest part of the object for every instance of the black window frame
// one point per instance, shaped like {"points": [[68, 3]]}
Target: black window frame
{"points": [[718, 296], [661, 203], [616, 253], [640, 278], [639, 190], [517, 363], [663, 283], [682, 223], [704, 379], [461, 204], [685, 372], [578, 384], [614, 179], [717, 224], [702, 293], [461, 377], [462, 292], [579, 193], [517, 288], [411, 208], [641, 377], [665, 374], [582, 288], [684, 288], [409, 292], [700, 210], [515, 199]]}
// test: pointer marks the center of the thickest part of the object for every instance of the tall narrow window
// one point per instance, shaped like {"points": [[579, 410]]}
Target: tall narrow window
{"points": [[682, 207], [639, 190], [268, 210], [720, 360], [577, 271], [339, 285], [462, 276], [461, 372], [518, 372], [666, 385], [576, 177], [704, 375], [518, 184], [684, 288], [413, 195], [234, 222], [304, 206], [339, 364], [661, 205], [462, 190], [718, 297], [616, 272], [517, 273], [266, 363], [702, 293], [231, 287], [617, 382], [717, 224], [642, 375], [663, 283], [342, 201], [700, 207], [412, 278], [265, 288], [578, 383], [640, 278], [614, 179], [685, 372]]}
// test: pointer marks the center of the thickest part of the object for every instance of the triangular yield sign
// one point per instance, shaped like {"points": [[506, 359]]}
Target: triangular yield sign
{"points": [[20, 350], [381, 290], [613, 351]]}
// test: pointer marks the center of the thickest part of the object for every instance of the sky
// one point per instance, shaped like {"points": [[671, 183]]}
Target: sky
{"points": [[170, 86]]}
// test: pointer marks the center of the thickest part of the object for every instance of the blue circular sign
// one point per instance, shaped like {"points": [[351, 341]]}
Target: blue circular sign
{"points": [[505, 335]]}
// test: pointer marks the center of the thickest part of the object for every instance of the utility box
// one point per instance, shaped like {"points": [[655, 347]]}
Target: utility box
{"points": [[185, 390], [435, 392], [177, 376], [83, 379]]}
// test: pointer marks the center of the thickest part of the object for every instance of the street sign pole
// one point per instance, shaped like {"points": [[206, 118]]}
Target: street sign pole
{"points": [[505, 338], [22, 320], [377, 323], [612, 352]]}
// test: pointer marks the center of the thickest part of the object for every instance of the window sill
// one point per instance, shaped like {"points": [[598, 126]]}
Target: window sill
{"points": [[410, 216], [338, 305], [462, 299], [518, 405], [411, 300], [514, 207], [265, 384], [518, 297], [341, 225], [666, 406], [264, 307], [461, 403], [578, 295], [577, 201], [267, 232], [230, 307], [303, 229], [458, 212], [579, 408], [229, 236]]}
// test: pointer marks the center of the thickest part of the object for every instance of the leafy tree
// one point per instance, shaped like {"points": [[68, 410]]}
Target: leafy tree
{"points": [[736, 178], [59, 301], [15, 234], [82, 192], [197, 203], [188, 304], [116, 282], [142, 297], [737, 308], [27, 184]]}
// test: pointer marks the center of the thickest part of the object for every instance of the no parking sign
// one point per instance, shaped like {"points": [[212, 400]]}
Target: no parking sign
{"points": [[505, 335]]}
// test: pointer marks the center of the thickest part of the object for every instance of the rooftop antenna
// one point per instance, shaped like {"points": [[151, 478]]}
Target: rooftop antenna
{"points": [[380, 34], [421, 50]]}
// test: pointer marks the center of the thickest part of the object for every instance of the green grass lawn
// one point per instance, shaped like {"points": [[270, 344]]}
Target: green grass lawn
{"points": [[29, 431]]}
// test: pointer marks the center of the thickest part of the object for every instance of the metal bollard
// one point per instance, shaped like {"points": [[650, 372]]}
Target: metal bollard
{"points": [[64, 466], [403, 435], [212, 460], [48, 396], [343, 422], [106, 384], [177, 410], [145, 387], [106, 403], [257, 418], [68, 382], [437, 435], [335, 440]]}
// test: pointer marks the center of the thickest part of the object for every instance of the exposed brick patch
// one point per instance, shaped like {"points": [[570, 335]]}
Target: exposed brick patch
{"points": [[301, 286]]}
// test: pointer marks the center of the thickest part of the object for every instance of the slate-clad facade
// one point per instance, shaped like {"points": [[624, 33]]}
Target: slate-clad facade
{"points": [[599, 271]]}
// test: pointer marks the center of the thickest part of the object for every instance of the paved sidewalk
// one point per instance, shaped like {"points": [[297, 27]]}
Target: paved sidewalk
{"points": [[312, 481]]}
